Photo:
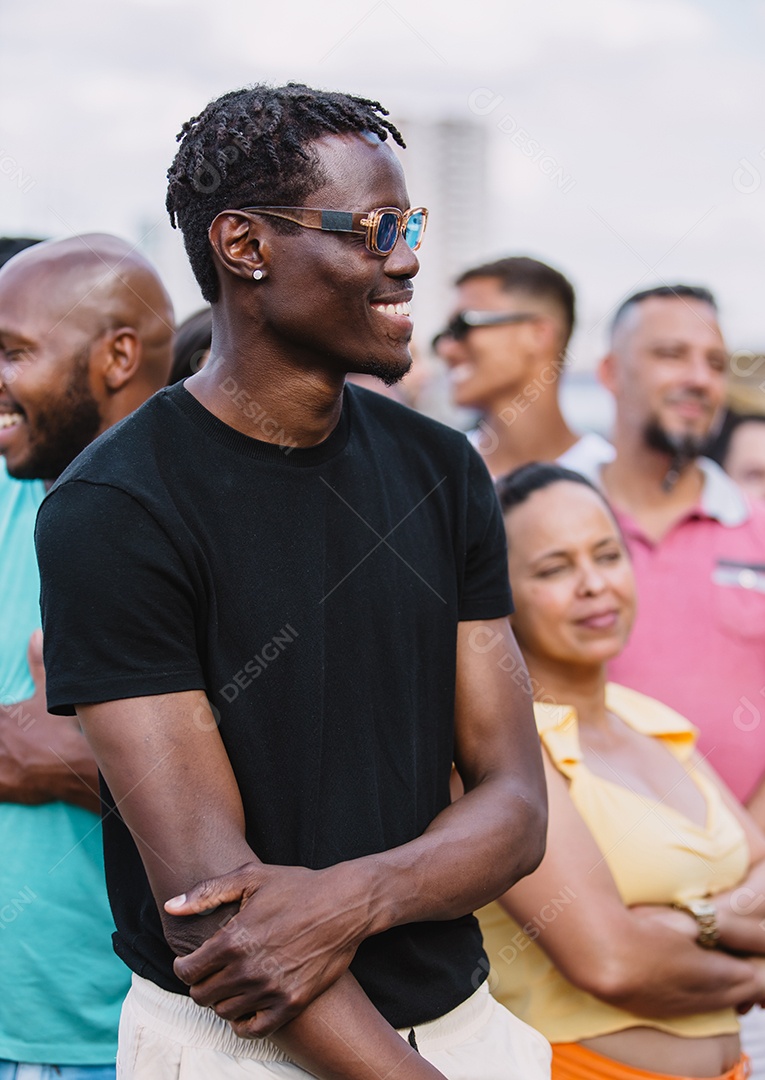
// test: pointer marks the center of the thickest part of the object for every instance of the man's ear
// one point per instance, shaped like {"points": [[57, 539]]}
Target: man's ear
{"points": [[606, 372], [545, 332], [118, 357], [237, 243]]}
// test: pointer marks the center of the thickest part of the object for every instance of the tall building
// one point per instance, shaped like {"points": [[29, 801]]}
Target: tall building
{"points": [[446, 164]]}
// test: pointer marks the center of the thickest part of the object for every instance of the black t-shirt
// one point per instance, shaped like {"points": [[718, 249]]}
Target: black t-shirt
{"points": [[314, 595]]}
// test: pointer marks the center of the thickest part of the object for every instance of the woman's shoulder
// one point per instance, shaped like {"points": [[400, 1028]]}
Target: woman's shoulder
{"points": [[558, 725], [558, 728], [651, 717]]}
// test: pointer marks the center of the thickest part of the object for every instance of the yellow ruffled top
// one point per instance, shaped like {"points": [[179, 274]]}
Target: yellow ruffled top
{"points": [[655, 854]]}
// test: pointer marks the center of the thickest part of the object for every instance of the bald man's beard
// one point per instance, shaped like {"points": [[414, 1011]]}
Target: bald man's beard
{"points": [[682, 448], [62, 428]]}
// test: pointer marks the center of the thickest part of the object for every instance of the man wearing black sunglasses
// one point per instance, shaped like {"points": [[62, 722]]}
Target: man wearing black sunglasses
{"points": [[505, 346], [297, 604]]}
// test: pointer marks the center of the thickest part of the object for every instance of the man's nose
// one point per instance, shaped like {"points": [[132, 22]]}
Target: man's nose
{"points": [[401, 261]]}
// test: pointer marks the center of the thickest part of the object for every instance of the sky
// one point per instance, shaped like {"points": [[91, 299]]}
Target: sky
{"points": [[625, 137]]}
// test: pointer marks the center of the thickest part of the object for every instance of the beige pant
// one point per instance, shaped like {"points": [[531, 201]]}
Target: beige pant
{"points": [[169, 1037]]}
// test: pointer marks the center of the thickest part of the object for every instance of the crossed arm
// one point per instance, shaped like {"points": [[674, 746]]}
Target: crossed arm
{"points": [[644, 960], [44, 758], [275, 953], [741, 910]]}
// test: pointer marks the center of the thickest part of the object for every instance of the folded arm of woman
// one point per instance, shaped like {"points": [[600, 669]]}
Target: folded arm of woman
{"points": [[741, 910], [648, 967]]}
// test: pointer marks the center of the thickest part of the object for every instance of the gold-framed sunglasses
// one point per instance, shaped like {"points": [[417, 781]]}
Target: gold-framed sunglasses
{"points": [[381, 227]]}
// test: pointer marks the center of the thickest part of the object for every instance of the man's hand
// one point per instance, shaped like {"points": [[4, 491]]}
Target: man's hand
{"points": [[44, 758], [292, 938]]}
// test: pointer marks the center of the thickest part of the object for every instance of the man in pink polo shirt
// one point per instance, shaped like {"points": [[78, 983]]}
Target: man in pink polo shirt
{"points": [[697, 543]]}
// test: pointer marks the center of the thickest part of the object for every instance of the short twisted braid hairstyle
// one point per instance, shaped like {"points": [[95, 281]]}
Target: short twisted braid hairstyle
{"points": [[251, 147]]}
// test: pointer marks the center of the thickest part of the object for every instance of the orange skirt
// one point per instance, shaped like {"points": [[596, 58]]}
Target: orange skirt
{"points": [[570, 1061]]}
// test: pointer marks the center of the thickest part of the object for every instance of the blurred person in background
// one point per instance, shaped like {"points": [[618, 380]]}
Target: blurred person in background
{"points": [[12, 245], [192, 345], [85, 338], [641, 933], [740, 449], [696, 541], [19, 500], [505, 346]]}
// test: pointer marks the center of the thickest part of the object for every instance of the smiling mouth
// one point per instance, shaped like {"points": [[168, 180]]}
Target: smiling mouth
{"points": [[460, 373], [403, 308], [601, 620], [695, 405]]}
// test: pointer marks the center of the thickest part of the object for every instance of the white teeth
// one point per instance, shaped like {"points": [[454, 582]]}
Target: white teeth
{"points": [[394, 309], [9, 420], [461, 373]]}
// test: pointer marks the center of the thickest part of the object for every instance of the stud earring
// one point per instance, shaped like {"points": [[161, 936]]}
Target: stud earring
{"points": [[258, 275]]}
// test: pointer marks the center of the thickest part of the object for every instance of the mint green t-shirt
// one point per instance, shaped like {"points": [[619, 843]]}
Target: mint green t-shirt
{"points": [[61, 986]]}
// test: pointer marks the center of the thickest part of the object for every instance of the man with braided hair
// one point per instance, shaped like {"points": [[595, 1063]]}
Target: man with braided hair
{"points": [[297, 601]]}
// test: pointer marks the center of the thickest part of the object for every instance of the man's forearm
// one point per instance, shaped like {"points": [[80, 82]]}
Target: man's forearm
{"points": [[46, 760], [341, 1036], [494, 835], [177, 793]]}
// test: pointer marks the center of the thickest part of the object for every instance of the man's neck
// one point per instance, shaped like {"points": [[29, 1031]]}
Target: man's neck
{"points": [[518, 430], [272, 400], [642, 482]]}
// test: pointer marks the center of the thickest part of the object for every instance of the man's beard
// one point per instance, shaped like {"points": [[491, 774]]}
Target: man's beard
{"points": [[682, 448], [385, 372], [63, 428]]}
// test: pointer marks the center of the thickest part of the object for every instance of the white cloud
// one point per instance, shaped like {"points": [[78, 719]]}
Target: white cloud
{"points": [[648, 105]]}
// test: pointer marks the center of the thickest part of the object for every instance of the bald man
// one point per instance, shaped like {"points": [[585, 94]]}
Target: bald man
{"points": [[697, 543], [86, 332], [85, 329]]}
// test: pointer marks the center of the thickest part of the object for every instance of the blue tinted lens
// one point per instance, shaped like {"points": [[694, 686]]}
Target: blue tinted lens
{"points": [[387, 232], [414, 228]]}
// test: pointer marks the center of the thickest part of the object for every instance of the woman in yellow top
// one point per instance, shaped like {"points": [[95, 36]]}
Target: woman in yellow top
{"points": [[612, 948]]}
